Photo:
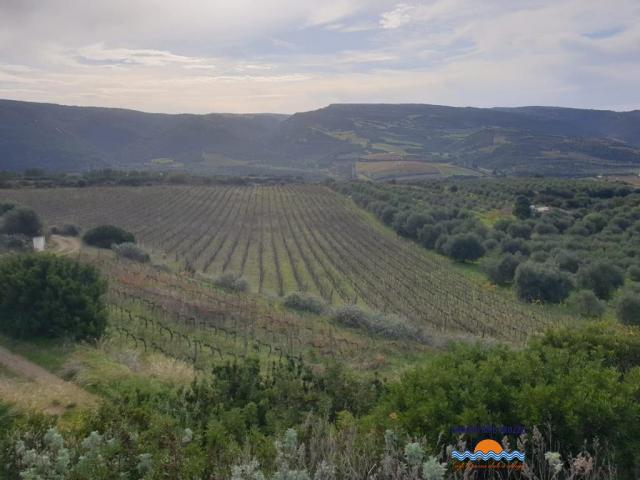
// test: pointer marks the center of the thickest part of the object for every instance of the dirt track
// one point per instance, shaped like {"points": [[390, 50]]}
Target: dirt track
{"points": [[65, 245], [36, 388]]}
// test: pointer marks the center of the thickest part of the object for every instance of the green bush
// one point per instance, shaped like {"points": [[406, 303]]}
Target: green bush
{"points": [[132, 252], [429, 234], [66, 230], [628, 310], [104, 236], [21, 221], [634, 273], [501, 270], [535, 282], [586, 303], [603, 278], [553, 381], [522, 207], [520, 230], [464, 247], [232, 281], [568, 261], [389, 326], [49, 296], [15, 243], [305, 302]]}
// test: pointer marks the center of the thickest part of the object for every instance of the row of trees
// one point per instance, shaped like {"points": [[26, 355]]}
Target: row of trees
{"points": [[586, 240]]}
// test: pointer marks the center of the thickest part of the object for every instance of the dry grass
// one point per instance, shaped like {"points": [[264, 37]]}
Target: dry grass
{"points": [[54, 398], [113, 363]]}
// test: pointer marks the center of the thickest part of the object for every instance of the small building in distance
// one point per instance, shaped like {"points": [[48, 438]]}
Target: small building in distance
{"points": [[39, 244], [541, 209]]}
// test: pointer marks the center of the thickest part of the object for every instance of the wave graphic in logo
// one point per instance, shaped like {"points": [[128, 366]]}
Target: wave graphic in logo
{"points": [[476, 456], [488, 450]]}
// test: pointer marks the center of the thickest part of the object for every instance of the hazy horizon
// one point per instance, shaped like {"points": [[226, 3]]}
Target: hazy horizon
{"points": [[285, 56], [303, 111]]}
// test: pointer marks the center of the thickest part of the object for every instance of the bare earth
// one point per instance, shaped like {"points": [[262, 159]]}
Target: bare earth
{"points": [[65, 245]]}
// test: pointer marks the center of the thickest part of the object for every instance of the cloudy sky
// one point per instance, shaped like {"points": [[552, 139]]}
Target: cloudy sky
{"points": [[294, 55]]}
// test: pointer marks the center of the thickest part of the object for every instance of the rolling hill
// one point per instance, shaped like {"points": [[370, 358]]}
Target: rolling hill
{"points": [[515, 141]]}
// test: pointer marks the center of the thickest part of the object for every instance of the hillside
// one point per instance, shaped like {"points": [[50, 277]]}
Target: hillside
{"points": [[514, 141], [64, 138]]}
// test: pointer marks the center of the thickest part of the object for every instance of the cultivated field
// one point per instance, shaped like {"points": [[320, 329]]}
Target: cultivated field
{"points": [[409, 169], [293, 237]]}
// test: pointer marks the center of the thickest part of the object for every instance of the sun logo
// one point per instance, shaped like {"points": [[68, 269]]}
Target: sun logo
{"points": [[488, 450]]}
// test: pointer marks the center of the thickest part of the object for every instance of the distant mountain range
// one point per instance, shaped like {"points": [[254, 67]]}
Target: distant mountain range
{"points": [[515, 141]]}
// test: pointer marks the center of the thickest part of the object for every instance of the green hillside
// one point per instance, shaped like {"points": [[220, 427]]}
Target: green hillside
{"points": [[328, 141]]}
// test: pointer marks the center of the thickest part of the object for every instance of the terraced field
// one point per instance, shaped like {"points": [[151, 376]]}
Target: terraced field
{"points": [[288, 238]]}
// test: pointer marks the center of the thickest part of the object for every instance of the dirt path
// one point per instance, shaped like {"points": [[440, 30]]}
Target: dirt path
{"points": [[65, 245], [29, 385]]}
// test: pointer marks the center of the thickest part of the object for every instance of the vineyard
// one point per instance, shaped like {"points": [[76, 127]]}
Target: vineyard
{"points": [[188, 320], [293, 238]]}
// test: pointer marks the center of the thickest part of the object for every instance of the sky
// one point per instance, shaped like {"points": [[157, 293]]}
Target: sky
{"points": [[286, 56]]}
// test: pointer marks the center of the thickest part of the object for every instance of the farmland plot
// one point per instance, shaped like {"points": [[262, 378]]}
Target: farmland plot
{"points": [[288, 238]]}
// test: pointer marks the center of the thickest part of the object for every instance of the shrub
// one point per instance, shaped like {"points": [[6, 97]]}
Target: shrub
{"points": [[594, 222], [535, 282], [490, 244], [389, 326], [387, 215], [414, 224], [515, 245], [232, 281], [304, 302], [542, 382], [539, 256], [22, 221], [15, 243], [634, 273], [522, 207], [5, 207], [131, 251], [520, 230], [48, 296], [568, 261], [545, 229], [586, 303], [67, 230], [464, 248], [603, 278], [106, 235], [628, 310], [429, 234], [501, 270], [502, 224]]}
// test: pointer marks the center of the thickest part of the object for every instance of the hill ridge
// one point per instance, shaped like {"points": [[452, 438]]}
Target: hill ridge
{"points": [[524, 140]]}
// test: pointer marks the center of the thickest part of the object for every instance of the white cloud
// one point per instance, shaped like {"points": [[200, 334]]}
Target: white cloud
{"points": [[98, 52], [398, 17]]}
